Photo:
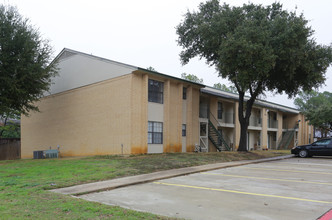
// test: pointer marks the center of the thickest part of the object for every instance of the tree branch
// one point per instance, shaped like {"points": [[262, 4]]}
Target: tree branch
{"points": [[250, 90]]}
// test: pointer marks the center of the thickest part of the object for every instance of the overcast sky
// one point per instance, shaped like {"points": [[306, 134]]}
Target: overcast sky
{"points": [[142, 33]]}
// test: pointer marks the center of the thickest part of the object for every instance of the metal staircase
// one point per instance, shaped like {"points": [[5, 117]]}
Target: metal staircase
{"points": [[217, 139], [286, 139]]}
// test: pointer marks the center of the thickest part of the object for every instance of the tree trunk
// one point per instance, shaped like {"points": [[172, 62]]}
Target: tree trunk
{"points": [[244, 120], [4, 124], [243, 138]]}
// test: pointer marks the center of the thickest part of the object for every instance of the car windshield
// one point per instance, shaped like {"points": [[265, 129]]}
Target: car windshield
{"points": [[323, 142]]}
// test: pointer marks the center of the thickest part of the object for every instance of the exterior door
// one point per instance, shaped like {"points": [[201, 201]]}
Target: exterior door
{"points": [[203, 136], [248, 141]]}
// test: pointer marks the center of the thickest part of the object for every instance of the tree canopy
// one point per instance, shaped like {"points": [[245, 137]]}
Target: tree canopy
{"points": [[25, 63], [192, 78], [258, 48], [225, 88], [151, 69], [317, 108]]}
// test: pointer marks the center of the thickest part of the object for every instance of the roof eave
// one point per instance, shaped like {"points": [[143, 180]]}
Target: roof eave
{"points": [[170, 77]]}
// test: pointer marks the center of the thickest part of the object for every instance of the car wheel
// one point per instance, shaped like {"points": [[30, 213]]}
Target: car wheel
{"points": [[303, 153]]}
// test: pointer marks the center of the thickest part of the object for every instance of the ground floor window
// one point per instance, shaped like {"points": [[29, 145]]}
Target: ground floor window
{"points": [[184, 130], [155, 132]]}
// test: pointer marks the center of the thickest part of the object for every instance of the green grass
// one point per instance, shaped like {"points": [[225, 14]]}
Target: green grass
{"points": [[24, 184]]}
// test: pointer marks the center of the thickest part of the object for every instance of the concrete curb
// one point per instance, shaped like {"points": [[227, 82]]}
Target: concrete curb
{"points": [[144, 178]]}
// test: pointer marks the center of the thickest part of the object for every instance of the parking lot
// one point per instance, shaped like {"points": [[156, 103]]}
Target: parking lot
{"points": [[286, 189]]}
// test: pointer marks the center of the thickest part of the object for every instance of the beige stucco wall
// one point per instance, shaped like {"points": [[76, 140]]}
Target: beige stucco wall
{"points": [[264, 134], [192, 118], [172, 116], [139, 113], [91, 120], [111, 117], [184, 121], [280, 121], [237, 128]]}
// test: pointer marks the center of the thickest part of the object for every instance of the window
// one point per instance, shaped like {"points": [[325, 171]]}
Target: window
{"points": [[156, 91], [184, 130], [323, 142], [155, 132], [220, 110], [184, 93]]}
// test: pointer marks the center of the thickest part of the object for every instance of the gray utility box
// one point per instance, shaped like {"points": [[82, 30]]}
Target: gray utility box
{"points": [[51, 153], [42, 154], [38, 154]]}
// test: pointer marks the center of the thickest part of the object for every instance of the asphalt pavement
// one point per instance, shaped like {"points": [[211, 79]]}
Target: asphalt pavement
{"points": [[293, 188]]}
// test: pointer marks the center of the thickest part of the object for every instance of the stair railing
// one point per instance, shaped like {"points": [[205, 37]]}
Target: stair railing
{"points": [[224, 138], [287, 138], [219, 137]]}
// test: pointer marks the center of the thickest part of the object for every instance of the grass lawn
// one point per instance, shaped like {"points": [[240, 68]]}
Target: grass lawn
{"points": [[24, 183]]}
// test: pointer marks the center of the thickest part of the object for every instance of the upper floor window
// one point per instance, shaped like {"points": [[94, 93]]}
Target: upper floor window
{"points": [[156, 91], [220, 110], [184, 93], [184, 130]]}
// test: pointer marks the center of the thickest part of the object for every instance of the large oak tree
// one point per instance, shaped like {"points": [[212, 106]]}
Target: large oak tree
{"points": [[258, 48], [317, 108], [25, 63]]}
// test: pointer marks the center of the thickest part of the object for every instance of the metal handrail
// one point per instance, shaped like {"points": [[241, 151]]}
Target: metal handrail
{"points": [[205, 147], [227, 139]]}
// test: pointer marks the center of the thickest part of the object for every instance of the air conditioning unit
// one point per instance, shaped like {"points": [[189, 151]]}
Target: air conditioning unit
{"points": [[51, 153], [38, 154]]}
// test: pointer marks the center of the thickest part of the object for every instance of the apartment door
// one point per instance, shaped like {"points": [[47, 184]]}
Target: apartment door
{"points": [[248, 140], [203, 136]]}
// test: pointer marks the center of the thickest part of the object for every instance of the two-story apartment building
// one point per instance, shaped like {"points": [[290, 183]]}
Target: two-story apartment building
{"points": [[97, 106]]}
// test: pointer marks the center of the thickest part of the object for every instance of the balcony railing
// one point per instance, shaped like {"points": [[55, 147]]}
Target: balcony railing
{"points": [[255, 121], [227, 118], [272, 123], [289, 126]]}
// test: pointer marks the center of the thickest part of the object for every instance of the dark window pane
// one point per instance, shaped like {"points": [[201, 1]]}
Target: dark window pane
{"points": [[157, 138], [184, 94], [155, 132], [184, 130], [158, 127], [150, 126], [156, 90], [150, 138]]}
